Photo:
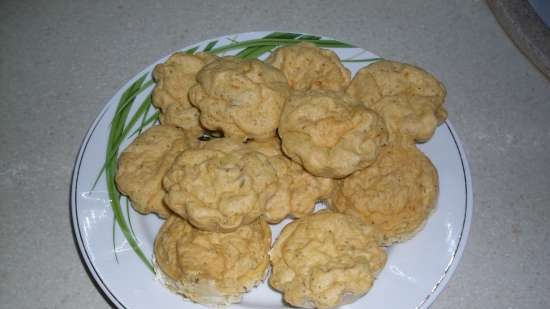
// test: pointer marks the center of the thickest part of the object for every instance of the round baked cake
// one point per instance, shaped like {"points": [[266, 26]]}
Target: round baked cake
{"points": [[396, 194], [307, 67], [326, 260], [408, 98], [241, 97], [330, 134], [211, 268], [220, 186]]}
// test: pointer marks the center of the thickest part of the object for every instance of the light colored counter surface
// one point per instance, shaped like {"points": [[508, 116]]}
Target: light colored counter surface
{"points": [[61, 61]]}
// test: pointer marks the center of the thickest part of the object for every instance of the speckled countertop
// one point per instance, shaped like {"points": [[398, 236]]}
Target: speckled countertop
{"points": [[60, 61]]}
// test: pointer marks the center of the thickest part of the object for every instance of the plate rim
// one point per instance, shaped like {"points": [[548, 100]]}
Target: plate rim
{"points": [[107, 294]]}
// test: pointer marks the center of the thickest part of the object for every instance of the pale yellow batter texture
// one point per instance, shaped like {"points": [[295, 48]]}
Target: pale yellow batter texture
{"points": [[242, 98], [298, 191], [330, 134], [408, 98], [173, 79], [307, 66], [326, 260], [221, 186], [396, 194], [212, 268], [144, 162]]}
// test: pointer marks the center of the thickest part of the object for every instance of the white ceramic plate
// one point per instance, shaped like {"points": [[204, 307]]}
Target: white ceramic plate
{"points": [[414, 275]]}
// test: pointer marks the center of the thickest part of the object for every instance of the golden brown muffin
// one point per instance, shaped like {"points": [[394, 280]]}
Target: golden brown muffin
{"points": [[408, 118], [212, 268], [298, 191], [326, 260], [396, 194], [174, 78], [241, 97], [307, 66], [409, 99], [221, 186], [329, 133], [144, 162]]}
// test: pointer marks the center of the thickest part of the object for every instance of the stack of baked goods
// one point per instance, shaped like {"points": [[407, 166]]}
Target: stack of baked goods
{"points": [[244, 143]]}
